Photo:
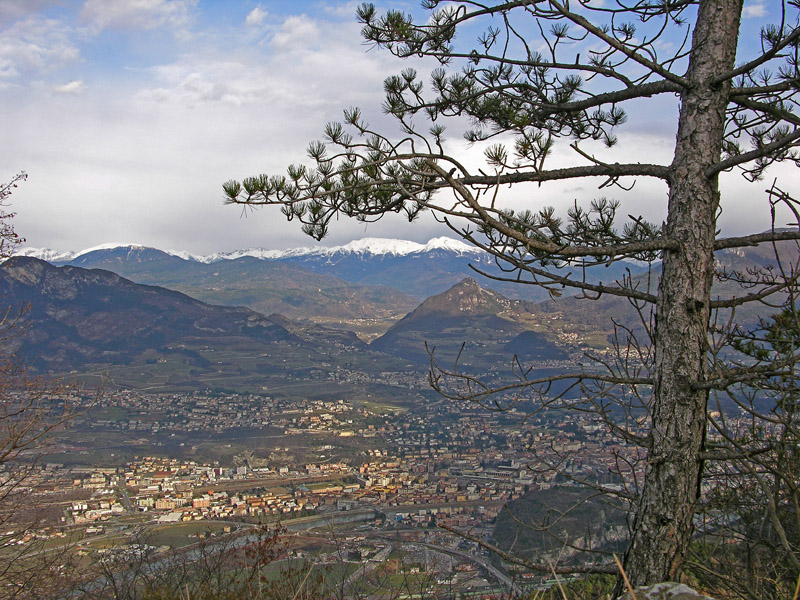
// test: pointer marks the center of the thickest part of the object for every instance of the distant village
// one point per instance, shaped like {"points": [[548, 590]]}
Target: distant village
{"points": [[367, 469], [457, 464]]}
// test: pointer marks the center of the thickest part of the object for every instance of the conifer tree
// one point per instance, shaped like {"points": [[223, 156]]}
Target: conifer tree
{"points": [[544, 73]]}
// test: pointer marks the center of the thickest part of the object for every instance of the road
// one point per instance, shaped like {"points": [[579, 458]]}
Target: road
{"points": [[124, 493], [369, 566], [480, 560]]}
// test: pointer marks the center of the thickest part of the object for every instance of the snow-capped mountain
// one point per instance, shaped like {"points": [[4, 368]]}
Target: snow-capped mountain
{"points": [[412, 269], [59, 257], [379, 246], [364, 247], [51, 256], [417, 269]]}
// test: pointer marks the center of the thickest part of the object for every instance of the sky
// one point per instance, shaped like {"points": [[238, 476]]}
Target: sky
{"points": [[128, 115]]}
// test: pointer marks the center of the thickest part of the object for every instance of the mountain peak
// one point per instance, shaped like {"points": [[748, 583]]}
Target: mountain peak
{"points": [[110, 246], [46, 254], [482, 323], [377, 246], [394, 247], [466, 297], [467, 282], [85, 316]]}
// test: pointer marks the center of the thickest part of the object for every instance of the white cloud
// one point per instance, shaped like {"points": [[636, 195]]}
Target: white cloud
{"points": [[36, 45], [193, 83], [755, 10], [342, 10], [120, 148], [256, 17], [311, 69], [73, 87], [297, 31], [137, 14]]}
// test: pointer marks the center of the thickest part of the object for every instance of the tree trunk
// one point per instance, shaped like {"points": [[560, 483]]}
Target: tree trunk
{"points": [[663, 522]]}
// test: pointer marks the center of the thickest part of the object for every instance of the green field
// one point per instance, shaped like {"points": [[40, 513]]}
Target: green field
{"points": [[177, 535]]}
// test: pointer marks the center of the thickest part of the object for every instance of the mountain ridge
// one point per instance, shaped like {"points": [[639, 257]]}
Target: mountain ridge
{"points": [[84, 318], [364, 246], [412, 269], [265, 286], [80, 316]]}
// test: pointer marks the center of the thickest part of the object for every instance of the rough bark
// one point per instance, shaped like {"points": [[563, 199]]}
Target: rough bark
{"points": [[663, 523]]}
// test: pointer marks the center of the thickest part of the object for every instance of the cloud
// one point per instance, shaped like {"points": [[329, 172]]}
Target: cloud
{"points": [[342, 10], [755, 10], [307, 68], [73, 87], [146, 147], [15, 9], [191, 84], [36, 45], [296, 32], [256, 17], [137, 14]]}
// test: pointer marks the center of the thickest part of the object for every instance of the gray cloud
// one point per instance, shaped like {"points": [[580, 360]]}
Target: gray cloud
{"points": [[15, 9], [142, 157], [137, 14], [137, 150]]}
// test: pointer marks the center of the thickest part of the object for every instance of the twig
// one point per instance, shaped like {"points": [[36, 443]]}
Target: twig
{"points": [[797, 589], [558, 581], [625, 578]]}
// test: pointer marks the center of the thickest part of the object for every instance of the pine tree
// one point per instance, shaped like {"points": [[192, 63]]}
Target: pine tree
{"points": [[549, 72]]}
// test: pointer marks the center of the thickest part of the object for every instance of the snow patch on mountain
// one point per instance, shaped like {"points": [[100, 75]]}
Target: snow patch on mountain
{"points": [[45, 254], [109, 246], [379, 246], [259, 253], [376, 246], [57, 256], [363, 247], [184, 255], [446, 243]]}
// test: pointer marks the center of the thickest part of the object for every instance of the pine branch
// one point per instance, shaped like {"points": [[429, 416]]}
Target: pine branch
{"points": [[760, 152], [759, 60], [755, 239]]}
